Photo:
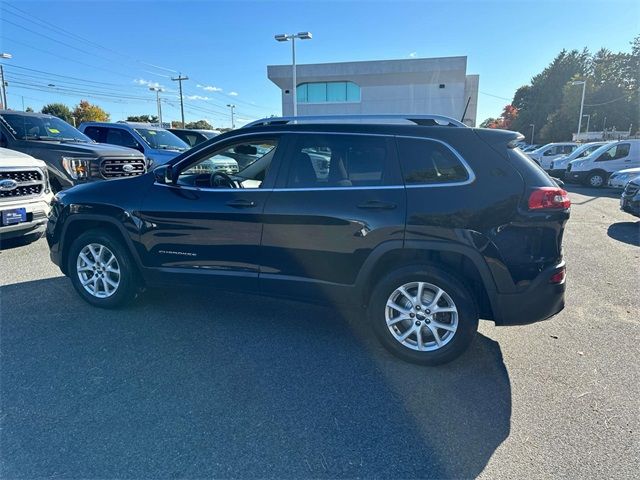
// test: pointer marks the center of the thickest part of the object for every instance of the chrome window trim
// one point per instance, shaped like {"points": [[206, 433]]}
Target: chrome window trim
{"points": [[470, 172]]}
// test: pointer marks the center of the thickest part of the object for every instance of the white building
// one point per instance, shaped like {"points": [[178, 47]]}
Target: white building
{"points": [[420, 86]]}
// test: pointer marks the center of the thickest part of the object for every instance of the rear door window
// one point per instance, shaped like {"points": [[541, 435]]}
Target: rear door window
{"points": [[329, 160], [426, 161], [117, 136], [95, 133]]}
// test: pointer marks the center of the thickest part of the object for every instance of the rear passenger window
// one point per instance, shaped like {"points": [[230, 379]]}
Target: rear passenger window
{"points": [[429, 162], [338, 161]]}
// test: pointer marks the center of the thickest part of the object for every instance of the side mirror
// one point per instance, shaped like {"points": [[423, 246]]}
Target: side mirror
{"points": [[164, 174]]}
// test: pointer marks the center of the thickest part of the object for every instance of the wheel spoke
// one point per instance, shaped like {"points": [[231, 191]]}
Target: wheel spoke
{"points": [[436, 299], [399, 318], [406, 334], [85, 268], [444, 326], [420, 292], [110, 282], [436, 335], [404, 292], [86, 260], [419, 338], [444, 310], [398, 308], [100, 252], [93, 253]]}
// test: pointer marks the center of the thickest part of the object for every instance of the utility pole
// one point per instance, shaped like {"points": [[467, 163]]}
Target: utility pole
{"points": [[232, 107], [4, 85], [533, 131], [180, 79], [584, 87]]}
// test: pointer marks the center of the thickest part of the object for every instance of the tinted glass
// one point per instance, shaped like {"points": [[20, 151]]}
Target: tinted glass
{"points": [[427, 162], [617, 151], [161, 139], [95, 133], [247, 162], [338, 161], [323, 92], [117, 136]]}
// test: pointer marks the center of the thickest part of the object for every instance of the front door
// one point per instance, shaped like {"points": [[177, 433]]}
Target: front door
{"points": [[338, 197], [207, 226]]}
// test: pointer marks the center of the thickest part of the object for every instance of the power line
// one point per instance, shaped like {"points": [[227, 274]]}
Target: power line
{"points": [[32, 18]]}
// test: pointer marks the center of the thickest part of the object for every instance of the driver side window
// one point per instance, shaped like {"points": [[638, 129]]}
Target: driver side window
{"points": [[242, 164]]}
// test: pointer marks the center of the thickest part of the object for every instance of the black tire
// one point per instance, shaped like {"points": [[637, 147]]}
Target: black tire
{"points": [[593, 177], [130, 284], [454, 288]]}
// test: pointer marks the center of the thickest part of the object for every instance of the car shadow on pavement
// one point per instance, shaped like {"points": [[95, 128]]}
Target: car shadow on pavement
{"points": [[192, 384], [627, 232]]}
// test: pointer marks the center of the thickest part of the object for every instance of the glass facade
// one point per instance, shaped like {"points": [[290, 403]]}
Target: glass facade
{"points": [[328, 92]]}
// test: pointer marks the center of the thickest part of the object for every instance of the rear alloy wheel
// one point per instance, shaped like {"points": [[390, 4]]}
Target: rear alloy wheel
{"points": [[423, 315], [102, 270], [595, 180]]}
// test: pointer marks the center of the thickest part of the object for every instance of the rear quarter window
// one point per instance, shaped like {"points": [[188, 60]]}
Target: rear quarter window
{"points": [[426, 161]]}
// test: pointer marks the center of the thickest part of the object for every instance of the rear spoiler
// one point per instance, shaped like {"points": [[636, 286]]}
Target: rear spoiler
{"points": [[495, 137]]}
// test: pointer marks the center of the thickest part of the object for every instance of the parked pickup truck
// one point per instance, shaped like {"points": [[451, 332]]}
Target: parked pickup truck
{"points": [[71, 157], [25, 196]]}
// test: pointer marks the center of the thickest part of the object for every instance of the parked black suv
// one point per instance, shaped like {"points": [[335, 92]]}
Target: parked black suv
{"points": [[72, 158], [427, 223]]}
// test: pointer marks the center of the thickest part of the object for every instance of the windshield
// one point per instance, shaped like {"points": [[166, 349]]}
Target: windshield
{"points": [[162, 139], [27, 127], [586, 150], [598, 151]]}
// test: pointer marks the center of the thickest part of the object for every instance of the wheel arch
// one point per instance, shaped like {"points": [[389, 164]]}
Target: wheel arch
{"points": [[466, 265], [79, 224]]}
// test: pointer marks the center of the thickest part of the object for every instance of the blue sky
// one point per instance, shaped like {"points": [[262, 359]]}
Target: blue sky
{"points": [[113, 50]]}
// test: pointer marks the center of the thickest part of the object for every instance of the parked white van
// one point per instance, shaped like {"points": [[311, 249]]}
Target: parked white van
{"points": [[558, 166], [551, 151], [594, 170]]}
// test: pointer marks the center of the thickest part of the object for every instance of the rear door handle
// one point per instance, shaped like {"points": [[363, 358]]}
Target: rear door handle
{"points": [[377, 205], [240, 203]]}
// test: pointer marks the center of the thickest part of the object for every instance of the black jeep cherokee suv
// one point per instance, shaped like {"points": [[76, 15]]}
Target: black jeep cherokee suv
{"points": [[429, 225]]}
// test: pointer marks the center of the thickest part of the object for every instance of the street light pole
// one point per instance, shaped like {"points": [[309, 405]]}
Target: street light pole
{"points": [[158, 90], [584, 87], [533, 131], [232, 107], [4, 86], [180, 79], [588, 120], [283, 37]]}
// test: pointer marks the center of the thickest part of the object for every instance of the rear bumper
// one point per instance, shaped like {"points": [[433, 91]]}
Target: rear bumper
{"points": [[539, 301]]}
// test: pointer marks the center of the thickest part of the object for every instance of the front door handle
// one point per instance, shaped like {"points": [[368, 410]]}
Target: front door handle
{"points": [[377, 205], [240, 203]]}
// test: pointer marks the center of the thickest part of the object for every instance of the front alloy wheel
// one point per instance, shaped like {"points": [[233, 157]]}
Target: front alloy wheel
{"points": [[98, 270], [421, 316]]}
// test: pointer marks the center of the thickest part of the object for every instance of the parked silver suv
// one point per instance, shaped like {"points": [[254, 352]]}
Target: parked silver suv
{"points": [[25, 197]]}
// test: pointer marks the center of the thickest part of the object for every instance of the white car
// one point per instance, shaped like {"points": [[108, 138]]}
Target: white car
{"points": [[25, 197], [543, 155], [558, 166], [620, 178], [594, 169]]}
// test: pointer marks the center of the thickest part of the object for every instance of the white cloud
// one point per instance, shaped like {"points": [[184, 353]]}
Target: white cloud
{"points": [[146, 83], [413, 54], [209, 88], [233, 94], [197, 97]]}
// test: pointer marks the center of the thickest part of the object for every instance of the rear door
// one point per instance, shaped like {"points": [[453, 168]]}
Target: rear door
{"points": [[338, 197]]}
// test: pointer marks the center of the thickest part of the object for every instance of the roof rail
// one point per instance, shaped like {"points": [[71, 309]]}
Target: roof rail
{"points": [[425, 120]]}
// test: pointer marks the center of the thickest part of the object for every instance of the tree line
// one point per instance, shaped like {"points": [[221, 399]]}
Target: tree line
{"points": [[551, 101], [86, 112]]}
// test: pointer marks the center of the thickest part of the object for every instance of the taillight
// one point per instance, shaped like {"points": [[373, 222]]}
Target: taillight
{"points": [[559, 276], [543, 198]]}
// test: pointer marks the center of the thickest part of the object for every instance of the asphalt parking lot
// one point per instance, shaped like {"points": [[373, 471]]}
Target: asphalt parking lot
{"points": [[205, 384]]}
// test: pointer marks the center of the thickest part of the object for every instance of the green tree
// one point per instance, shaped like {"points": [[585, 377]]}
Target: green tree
{"points": [[85, 112], [59, 110], [488, 122], [143, 118], [200, 124]]}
